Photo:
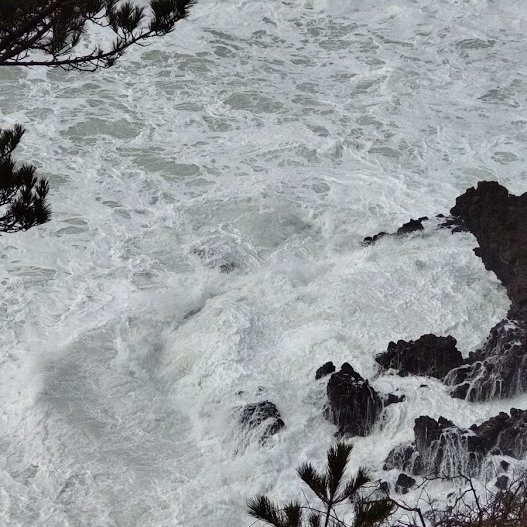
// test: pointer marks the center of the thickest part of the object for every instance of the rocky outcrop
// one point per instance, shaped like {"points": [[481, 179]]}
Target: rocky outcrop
{"points": [[354, 405], [264, 417], [444, 449], [406, 228], [498, 220], [429, 355], [499, 368], [324, 370], [412, 226]]}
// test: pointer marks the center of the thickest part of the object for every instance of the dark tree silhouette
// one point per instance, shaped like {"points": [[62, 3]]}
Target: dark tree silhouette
{"points": [[331, 489], [47, 32], [22, 195]]}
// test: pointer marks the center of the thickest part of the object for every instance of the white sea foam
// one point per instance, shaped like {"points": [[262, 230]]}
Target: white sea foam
{"points": [[272, 136]]}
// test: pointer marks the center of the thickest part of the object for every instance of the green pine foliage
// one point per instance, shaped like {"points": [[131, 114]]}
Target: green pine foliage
{"points": [[23, 196], [332, 489], [47, 33], [54, 28]]}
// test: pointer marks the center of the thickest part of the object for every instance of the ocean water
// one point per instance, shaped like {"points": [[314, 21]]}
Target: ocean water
{"points": [[265, 139]]}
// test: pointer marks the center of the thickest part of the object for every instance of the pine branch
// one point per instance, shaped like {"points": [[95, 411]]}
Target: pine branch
{"points": [[337, 460], [55, 27], [372, 513], [262, 508], [315, 481], [23, 195]]}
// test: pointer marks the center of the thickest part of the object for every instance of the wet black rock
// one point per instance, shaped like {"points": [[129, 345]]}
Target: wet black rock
{"points": [[412, 226], [498, 220], [406, 228], [354, 405], [404, 483], [263, 415], [429, 355], [324, 370], [442, 448], [404, 457], [499, 369], [372, 239]]}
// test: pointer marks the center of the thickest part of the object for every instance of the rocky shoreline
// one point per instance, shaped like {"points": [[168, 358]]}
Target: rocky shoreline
{"points": [[498, 370]]}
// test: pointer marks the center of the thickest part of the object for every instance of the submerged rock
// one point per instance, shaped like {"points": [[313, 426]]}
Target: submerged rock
{"points": [[429, 355], [263, 416], [444, 449], [215, 260], [354, 404]]}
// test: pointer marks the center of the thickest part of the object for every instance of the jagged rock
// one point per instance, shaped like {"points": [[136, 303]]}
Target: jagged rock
{"points": [[264, 414], [498, 220], [404, 457], [428, 355], [445, 449], [505, 432], [412, 226], [324, 370], [353, 404], [404, 483], [406, 228], [372, 239], [499, 368]]}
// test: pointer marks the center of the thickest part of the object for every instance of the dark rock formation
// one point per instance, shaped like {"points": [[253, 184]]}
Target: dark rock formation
{"points": [[498, 220], [263, 415], [404, 457], [406, 228], [444, 449], [404, 483], [499, 368], [412, 226], [324, 370], [372, 239], [429, 355], [354, 404]]}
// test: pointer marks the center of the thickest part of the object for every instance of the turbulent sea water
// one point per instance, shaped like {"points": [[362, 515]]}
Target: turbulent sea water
{"points": [[268, 137]]}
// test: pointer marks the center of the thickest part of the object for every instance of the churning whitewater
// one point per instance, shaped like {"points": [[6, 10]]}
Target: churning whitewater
{"points": [[210, 193]]}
